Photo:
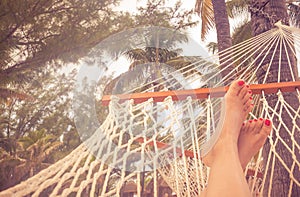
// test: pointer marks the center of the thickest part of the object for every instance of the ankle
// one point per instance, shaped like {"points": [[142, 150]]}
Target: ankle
{"points": [[230, 133], [228, 140], [225, 146]]}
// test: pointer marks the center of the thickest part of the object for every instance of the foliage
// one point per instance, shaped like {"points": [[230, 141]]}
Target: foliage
{"points": [[212, 47], [38, 38], [235, 8], [204, 8], [294, 12], [31, 130], [155, 13], [34, 34]]}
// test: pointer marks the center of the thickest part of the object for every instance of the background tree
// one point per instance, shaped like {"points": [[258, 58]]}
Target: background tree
{"points": [[271, 12], [237, 9], [38, 38], [214, 12], [32, 131], [34, 34], [263, 16]]}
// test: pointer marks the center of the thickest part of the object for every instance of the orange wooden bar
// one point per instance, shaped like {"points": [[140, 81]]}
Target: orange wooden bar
{"points": [[202, 93]]}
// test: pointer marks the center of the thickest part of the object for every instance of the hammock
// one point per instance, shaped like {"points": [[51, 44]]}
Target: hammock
{"points": [[157, 137]]}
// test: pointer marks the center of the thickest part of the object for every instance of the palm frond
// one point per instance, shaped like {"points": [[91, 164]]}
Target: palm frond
{"points": [[242, 32], [39, 137], [6, 93], [235, 7], [294, 13], [136, 54], [204, 8], [212, 47]]}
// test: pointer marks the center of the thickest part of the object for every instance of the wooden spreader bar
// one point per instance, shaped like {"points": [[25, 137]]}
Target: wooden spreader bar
{"points": [[202, 93]]}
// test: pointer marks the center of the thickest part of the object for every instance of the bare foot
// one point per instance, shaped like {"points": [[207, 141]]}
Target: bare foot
{"points": [[252, 137], [235, 108]]}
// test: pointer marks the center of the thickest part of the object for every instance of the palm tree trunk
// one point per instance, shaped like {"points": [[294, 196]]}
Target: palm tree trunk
{"points": [[223, 34], [264, 13]]}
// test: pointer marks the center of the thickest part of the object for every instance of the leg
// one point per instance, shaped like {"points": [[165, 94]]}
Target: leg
{"points": [[253, 135], [226, 176]]}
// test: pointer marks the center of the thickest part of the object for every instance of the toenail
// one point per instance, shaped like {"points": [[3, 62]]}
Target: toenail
{"points": [[267, 122], [249, 91], [250, 121], [251, 98], [241, 83], [243, 124], [247, 86], [260, 118], [255, 120]]}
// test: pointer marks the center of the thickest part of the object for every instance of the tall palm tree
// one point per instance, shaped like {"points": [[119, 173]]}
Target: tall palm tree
{"points": [[281, 178], [260, 24], [214, 12], [204, 8], [159, 47]]}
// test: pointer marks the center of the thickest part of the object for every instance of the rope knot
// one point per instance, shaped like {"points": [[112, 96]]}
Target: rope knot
{"points": [[280, 96]]}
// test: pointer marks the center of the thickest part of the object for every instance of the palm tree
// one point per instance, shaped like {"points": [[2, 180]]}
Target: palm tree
{"points": [[215, 12], [260, 24], [281, 177], [33, 152], [148, 61], [205, 10]]}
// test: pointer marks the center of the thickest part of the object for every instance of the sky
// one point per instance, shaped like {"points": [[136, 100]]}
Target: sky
{"points": [[131, 5], [194, 32]]}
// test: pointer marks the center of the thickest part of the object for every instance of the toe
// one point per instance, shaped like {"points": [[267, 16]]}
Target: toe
{"points": [[263, 133], [251, 125], [236, 87], [245, 126], [248, 106], [258, 125], [247, 97], [266, 127], [244, 92]]}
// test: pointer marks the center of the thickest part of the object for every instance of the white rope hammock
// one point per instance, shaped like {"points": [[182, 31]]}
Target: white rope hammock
{"points": [[165, 140]]}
